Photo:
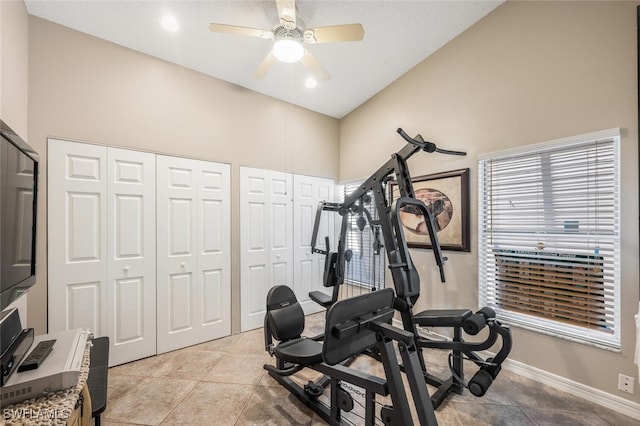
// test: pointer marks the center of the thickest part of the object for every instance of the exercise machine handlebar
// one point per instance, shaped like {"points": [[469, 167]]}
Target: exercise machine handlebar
{"points": [[425, 145], [322, 206], [417, 206]]}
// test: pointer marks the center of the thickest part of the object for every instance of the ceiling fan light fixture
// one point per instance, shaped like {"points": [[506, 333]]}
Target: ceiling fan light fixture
{"points": [[288, 50]]}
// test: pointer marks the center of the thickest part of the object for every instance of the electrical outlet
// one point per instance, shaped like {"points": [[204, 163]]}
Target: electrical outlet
{"points": [[626, 383]]}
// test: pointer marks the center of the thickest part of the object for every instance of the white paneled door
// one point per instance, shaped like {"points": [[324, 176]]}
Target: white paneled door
{"points": [[77, 234], [131, 242], [193, 252], [309, 267], [266, 235], [101, 223]]}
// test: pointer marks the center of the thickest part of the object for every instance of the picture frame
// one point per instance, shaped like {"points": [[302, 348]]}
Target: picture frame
{"points": [[448, 194]]}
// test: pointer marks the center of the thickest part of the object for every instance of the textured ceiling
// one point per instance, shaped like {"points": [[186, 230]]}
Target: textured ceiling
{"points": [[398, 35]]}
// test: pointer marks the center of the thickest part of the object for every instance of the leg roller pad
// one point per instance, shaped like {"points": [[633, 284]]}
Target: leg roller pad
{"points": [[487, 312], [474, 324], [480, 383]]}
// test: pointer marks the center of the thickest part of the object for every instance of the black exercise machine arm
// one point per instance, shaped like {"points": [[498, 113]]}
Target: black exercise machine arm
{"points": [[322, 206], [396, 165], [420, 208], [333, 260], [427, 146]]}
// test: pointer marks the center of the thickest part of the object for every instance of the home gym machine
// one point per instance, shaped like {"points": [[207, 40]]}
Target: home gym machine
{"points": [[352, 326], [334, 267], [406, 280]]}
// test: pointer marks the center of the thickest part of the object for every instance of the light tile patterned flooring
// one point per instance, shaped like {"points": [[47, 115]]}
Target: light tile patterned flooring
{"points": [[222, 382]]}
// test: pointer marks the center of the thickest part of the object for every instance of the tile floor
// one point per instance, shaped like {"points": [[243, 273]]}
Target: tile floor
{"points": [[222, 382]]}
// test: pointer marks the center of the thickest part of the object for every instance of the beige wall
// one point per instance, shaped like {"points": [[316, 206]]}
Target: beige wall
{"points": [[13, 65], [528, 72], [83, 88]]}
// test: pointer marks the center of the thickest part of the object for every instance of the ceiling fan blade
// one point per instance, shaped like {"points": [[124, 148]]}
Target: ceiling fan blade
{"points": [[287, 13], [348, 32], [265, 65], [244, 31], [311, 63]]}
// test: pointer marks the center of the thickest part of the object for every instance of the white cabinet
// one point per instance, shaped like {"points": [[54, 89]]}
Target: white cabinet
{"points": [[277, 213], [106, 214]]}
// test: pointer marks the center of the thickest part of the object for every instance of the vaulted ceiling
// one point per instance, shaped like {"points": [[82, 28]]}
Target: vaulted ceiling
{"points": [[398, 35]]}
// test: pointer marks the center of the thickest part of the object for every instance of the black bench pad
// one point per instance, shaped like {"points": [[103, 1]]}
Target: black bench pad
{"points": [[441, 317], [321, 298]]}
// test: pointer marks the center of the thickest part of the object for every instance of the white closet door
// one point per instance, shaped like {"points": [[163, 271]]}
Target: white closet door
{"points": [[214, 249], [132, 255], [280, 229], [254, 242], [193, 254], [266, 238], [77, 236], [309, 267]]}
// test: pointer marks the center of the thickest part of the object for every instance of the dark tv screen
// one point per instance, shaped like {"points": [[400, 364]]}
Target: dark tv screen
{"points": [[18, 189]]}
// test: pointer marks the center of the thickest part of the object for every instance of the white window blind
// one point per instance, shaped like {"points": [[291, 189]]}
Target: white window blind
{"points": [[549, 237], [366, 268]]}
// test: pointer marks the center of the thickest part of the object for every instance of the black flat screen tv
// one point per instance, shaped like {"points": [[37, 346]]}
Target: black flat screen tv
{"points": [[18, 193]]}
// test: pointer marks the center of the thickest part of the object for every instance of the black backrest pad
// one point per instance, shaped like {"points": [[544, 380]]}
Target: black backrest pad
{"points": [[405, 278], [329, 278], [284, 313], [338, 347]]}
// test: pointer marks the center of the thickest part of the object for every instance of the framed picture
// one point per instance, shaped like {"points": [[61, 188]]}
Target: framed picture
{"points": [[446, 194]]}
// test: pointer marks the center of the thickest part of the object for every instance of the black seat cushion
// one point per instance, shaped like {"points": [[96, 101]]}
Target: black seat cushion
{"points": [[321, 298], [441, 317], [300, 351], [284, 314]]}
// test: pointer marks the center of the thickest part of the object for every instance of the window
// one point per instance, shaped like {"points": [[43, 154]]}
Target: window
{"points": [[549, 237], [367, 265]]}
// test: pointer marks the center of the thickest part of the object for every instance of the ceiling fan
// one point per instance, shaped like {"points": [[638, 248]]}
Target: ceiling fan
{"points": [[289, 35]]}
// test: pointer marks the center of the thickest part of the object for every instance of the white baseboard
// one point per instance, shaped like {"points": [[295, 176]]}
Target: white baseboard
{"points": [[597, 396]]}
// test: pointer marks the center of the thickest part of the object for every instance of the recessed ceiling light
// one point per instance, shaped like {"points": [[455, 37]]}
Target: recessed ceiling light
{"points": [[288, 50], [169, 23], [310, 83]]}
